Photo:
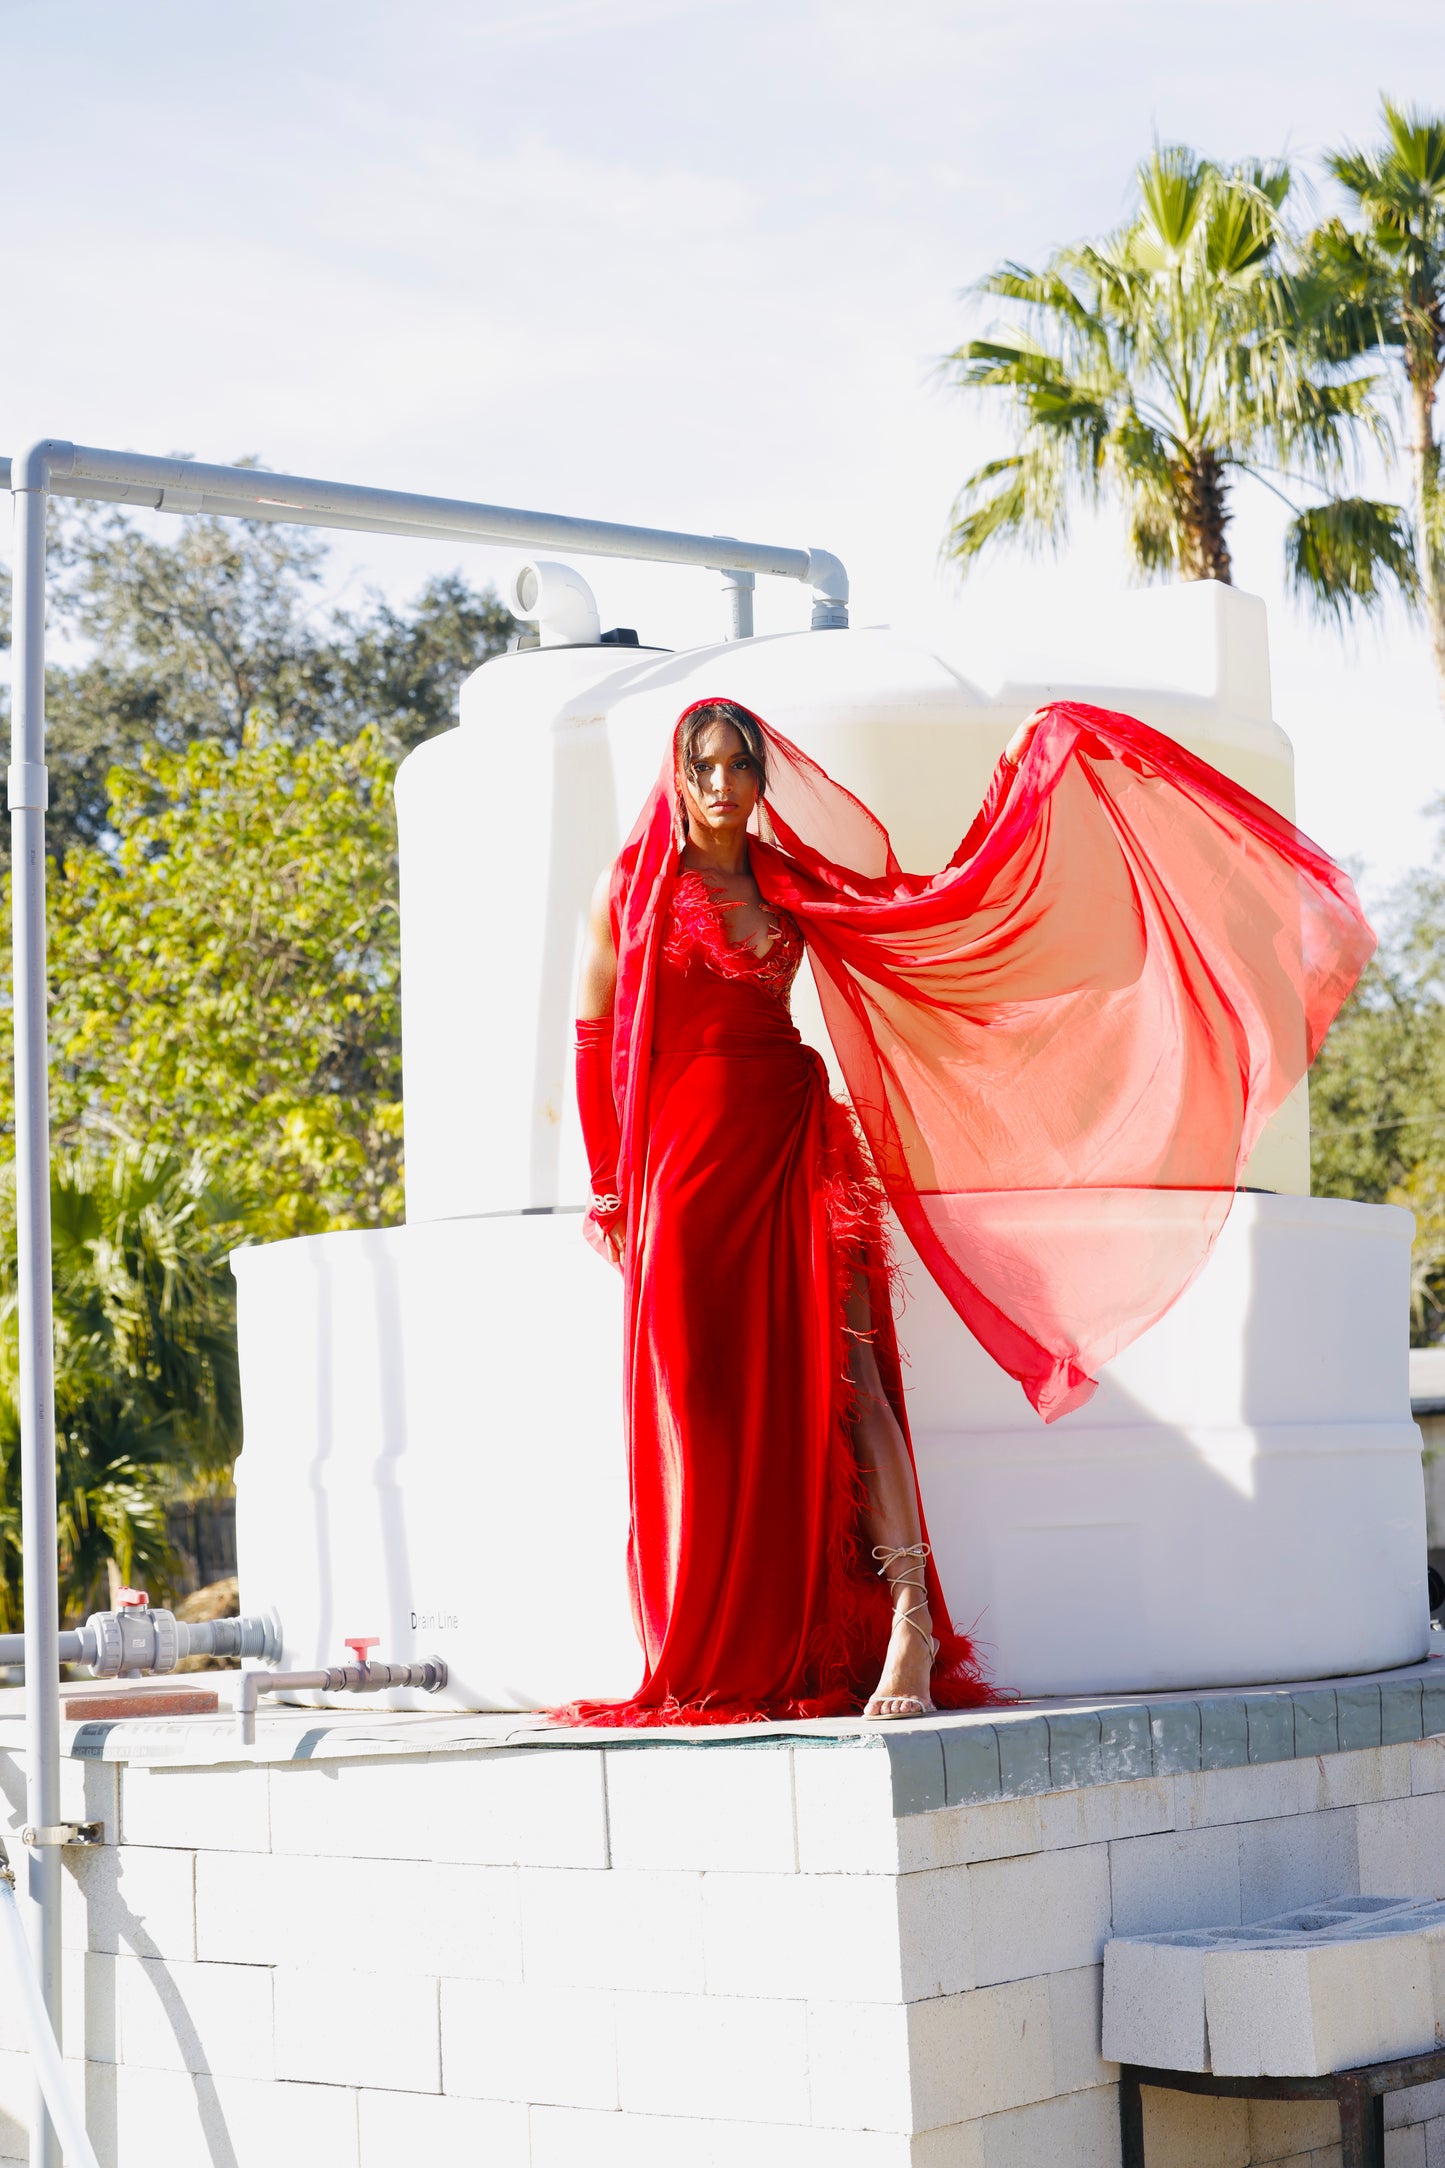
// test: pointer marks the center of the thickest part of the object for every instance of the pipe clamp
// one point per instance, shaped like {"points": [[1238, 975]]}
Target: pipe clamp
{"points": [[58, 1833]]}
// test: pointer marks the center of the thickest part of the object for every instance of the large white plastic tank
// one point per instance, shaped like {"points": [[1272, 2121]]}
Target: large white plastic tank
{"points": [[433, 1413], [556, 752]]}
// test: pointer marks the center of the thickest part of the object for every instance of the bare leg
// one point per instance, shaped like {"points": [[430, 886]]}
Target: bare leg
{"points": [[891, 1520]]}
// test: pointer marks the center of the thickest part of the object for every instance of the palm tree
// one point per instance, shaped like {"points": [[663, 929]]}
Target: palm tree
{"points": [[1158, 366], [1387, 277], [146, 1391]]}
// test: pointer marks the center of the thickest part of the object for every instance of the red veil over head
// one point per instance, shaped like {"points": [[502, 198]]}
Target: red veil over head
{"points": [[1061, 1048]]}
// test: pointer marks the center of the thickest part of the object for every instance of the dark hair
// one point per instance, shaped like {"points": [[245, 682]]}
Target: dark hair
{"points": [[702, 718]]}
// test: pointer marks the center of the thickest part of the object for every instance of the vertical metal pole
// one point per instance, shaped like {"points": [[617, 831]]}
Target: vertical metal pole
{"points": [[27, 794]]}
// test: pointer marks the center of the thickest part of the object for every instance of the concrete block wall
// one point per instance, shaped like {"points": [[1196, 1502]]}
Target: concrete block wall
{"points": [[730, 1955]]}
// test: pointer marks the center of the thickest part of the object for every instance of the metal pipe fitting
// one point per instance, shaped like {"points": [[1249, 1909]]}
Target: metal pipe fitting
{"points": [[430, 1675]]}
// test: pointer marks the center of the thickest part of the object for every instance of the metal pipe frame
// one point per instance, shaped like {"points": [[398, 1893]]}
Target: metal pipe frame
{"points": [[189, 485], [27, 792], [54, 467]]}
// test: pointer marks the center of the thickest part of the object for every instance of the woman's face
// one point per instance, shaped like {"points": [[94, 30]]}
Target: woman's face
{"points": [[721, 784]]}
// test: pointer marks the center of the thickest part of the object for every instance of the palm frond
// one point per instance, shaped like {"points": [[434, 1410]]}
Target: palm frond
{"points": [[1022, 499], [1343, 556]]}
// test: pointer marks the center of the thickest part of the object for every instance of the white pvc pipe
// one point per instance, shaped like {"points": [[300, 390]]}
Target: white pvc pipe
{"points": [[66, 2118], [26, 784], [191, 485]]}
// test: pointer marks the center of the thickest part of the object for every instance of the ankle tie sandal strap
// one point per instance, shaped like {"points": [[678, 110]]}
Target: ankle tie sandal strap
{"points": [[910, 1575]]}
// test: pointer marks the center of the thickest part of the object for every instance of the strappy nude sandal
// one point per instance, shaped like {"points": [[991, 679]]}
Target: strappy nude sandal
{"points": [[914, 1556]]}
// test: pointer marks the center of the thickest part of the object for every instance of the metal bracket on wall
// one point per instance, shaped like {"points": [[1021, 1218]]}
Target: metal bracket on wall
{"points": [[63, 1833]]}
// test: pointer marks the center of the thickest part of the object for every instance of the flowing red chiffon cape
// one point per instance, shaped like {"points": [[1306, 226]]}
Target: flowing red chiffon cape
{"points": [[1060, 1049]]}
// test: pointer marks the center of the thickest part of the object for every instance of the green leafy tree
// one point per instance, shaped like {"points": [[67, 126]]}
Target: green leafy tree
{"points": [[222, 628], [1377, 1091], [223, 948], [146, 1394], [1159, 366], [225, 975], [1384, 276]]}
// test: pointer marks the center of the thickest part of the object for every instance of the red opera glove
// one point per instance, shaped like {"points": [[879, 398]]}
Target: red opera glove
{"points": [[601, 1131]]}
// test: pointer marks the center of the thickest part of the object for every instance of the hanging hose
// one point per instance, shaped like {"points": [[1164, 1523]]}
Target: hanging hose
{"points": [[69, 2123]]}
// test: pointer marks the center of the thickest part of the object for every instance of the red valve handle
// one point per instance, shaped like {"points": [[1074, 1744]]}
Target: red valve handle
{"points": [[131, 1599], [361, 1643]]}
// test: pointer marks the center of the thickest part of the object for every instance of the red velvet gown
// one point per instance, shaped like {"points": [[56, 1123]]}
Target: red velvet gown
{"points": [[1060, 1050]]}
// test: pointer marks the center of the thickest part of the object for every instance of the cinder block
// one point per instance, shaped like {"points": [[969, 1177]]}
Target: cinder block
{"points": [[1280, 2128], [845, 1818], [970, 1764], [220, 1810], [1099, 1812], [1297, 1861], [1406, 2147], [1045, 1913], [1187, 2130], [1185, 1878], [859, 2064], [734, 2057], [1074, 1750], [1298, 2011], [1174, 1727], [1435, 2143], [1223, 1732], [399, 2127], [834, 1936], [1153, 2010], [710, 1807], [1023, 1755], [915, 1764], [359, 2027], [1402, 1846], [168, 2115], [553, 2045], [213, 2019], [1259, 1792], [978, 2054], [17, 2080], [139, 1901], [567, 2137], [623, 1929], [88, 1793], [957, 2145], [1082, 2129], [397, 1914], [1419, 2104], [508, 1806], [89, 2017], [935, 1934], [997, 1829], [1076, 2022], [1427, 1766], [1359, 1717], [1358, 1779]]}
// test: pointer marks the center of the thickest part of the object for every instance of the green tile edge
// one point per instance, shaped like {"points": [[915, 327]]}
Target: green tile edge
{"points": [[1021, 1756]]}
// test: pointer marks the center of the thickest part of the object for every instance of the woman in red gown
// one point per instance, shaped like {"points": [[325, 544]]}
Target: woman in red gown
{"points": [[1059, 1051]]}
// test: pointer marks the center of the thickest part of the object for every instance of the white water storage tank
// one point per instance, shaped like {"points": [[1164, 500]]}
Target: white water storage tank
{"points": [[432, 1412]]}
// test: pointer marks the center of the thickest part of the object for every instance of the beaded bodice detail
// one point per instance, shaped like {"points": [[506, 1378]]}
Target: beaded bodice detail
{"points": [[697, 931]]}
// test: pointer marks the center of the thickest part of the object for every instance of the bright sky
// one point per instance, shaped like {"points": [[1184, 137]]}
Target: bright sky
{"points": [[670, 261]]}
